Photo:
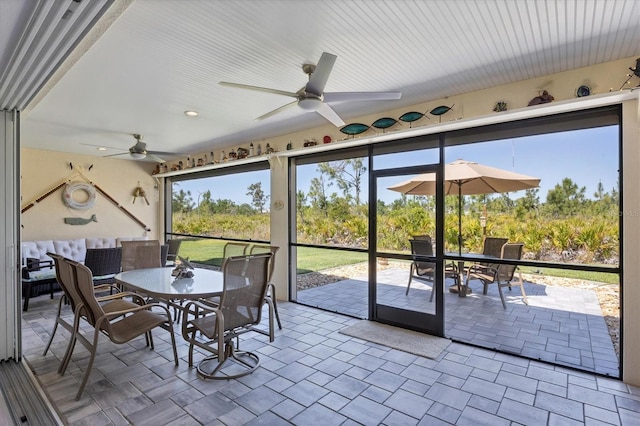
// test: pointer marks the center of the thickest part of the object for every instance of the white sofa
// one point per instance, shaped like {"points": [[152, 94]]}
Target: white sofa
{"points": [[75, 249]]}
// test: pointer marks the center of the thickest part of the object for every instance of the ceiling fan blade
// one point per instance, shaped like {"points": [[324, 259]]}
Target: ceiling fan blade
{"points": [[320, 76], [277, 110], [259, 89], [154, 158], [361, 96], [116, 155], [165, 153], [327, 112]]}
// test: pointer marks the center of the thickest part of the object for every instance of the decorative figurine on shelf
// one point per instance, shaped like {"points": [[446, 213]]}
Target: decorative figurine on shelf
{"points": [[242, 153], [269, 150], [326, 139], [166, 168], [289, 146], [156, 170], [180, 165], [212, 159], [193, 162], [201, 161], [259, 149], [311, 142], [206, 159], [223, 157], [251, 153], [188, 165], [542, 99], [500, 106], [232, 155]]}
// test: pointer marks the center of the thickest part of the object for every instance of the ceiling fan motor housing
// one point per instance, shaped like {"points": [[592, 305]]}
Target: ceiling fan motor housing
{"points": [[310, 103]]}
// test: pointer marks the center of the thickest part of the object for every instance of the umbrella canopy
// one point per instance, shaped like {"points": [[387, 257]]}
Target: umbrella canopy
{"points": [[467, 178]]}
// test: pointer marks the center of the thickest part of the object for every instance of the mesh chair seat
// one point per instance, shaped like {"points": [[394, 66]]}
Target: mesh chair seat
{"points": [[238, 312]]}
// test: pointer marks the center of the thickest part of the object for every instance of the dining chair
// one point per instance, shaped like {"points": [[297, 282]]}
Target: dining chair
{"points": [[271, 288], [120, 326], [233, 248], [239, 311], [501, 274], [112, 303], [425, 270], [141, 254], [172, 251]]}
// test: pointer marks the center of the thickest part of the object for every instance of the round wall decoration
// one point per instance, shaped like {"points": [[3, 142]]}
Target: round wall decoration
{"points": [[89, 189]]}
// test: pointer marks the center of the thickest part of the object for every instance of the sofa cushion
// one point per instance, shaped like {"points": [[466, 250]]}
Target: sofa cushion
{"points": [[97, 243], [71, 249], [36, 250]]}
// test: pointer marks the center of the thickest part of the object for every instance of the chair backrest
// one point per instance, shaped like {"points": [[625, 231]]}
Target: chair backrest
{"points": [[174, 246], [65, 278], [421, 237], [83, 282], [263, 248], [509, 251], [421, 248], [141, 254], [493, 246], [232, 249], [104, 261], [245, 287]]}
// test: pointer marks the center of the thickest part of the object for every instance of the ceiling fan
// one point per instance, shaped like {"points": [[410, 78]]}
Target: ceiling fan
{"points": [[312, 96], [139, 151]]}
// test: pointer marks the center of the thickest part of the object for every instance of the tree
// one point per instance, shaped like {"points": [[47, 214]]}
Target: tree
{"points": [[565, 199], [347, 174], [527, 204], [259, 198], [318, 193], [182, 201]]}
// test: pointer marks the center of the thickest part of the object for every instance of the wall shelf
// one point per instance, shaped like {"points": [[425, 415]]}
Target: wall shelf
{"points": [[592, 101]]}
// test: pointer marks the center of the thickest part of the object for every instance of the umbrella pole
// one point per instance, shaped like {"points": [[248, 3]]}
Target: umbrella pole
{"points": [[459, 219]]}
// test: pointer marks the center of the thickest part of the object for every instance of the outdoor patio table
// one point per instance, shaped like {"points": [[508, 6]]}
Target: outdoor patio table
{"points": [[461, 288], [160, 284]]}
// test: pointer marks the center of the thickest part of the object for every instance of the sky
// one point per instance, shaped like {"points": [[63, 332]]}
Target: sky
{"points": [[586, 156]]}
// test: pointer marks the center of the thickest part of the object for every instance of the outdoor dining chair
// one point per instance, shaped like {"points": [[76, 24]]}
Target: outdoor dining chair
{"points": [[141, 254], [239, 311], [110, 303], [503, 275], [424, 270], [271, 288], [120, 326]]}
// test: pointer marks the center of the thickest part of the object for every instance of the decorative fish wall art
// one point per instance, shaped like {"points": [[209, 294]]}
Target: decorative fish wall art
{"points": [[354, 129], [386, 122], [80, 220]]}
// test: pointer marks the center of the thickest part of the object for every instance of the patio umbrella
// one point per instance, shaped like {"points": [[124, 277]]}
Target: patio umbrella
{"points": [[467, 178]]}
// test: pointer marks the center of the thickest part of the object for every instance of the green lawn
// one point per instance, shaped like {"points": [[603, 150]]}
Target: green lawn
{"points": [[209, 252]]}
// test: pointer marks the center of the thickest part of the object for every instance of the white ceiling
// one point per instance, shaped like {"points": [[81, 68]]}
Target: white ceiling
{"points": [[162, 57]]}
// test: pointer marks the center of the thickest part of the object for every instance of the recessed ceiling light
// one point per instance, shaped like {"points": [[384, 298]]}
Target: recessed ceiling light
{"points": [[101, 148], [191, 113]]}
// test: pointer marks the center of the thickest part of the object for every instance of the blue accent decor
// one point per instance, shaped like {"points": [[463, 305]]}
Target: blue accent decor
{"points": [[408, 117], [439, 110], [384, 123], [354, 129]]}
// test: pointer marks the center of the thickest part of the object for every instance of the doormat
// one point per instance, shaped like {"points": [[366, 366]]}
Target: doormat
{"points": [[398, 338]]}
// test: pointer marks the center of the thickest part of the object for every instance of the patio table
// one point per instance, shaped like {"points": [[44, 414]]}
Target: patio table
{"points": [[159, 283], [461, 288]]}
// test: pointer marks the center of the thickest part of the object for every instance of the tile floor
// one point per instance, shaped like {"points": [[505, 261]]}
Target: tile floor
{"points": [[314, 375], [560, 325]]}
